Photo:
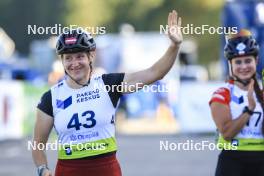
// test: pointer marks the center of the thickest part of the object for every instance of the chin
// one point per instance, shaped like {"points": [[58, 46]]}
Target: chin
{"points": [[76, 77], [245, 78]]}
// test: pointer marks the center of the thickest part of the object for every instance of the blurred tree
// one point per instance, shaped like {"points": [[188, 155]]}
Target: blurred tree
{"points": [[108, 12], [16, 15], [196, 12], [145, 15], [89, 13]]}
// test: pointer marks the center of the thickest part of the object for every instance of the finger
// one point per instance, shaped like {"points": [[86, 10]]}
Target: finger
{"points": [[172, 17], [251, 88], [175, 16], [169, 20], [47, 173], [252, 81], [179, 22]]}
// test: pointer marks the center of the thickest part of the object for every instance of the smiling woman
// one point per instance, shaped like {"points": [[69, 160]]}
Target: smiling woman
{"points": [[237, 110], [72, 115], [244, 67], [77, 65]]}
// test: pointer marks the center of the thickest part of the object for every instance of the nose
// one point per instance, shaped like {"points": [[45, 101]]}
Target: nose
{"points": [[75, 62], [244, 65]]}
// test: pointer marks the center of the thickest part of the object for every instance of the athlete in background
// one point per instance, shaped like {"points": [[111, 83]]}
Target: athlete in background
{"points": [[237, 110]]}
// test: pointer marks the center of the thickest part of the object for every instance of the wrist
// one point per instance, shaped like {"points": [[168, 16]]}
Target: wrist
{"points": [[248, 110], [175, 45], [41, 169]]}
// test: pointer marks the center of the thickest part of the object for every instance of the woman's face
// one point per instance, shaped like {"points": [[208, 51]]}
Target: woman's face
{"points": [[244, 67], [77, 65]]}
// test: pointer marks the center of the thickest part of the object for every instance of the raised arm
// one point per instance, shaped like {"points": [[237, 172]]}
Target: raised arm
{"points": [[158, 70]]}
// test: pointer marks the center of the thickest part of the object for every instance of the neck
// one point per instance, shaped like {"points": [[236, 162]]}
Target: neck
{"points": [[241, 86], [78, 84]]}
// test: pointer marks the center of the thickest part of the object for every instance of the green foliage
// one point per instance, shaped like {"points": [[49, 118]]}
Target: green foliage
{"points": [[16, 15], [145, 15]]}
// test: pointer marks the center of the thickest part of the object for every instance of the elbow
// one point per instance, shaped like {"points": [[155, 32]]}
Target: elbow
{"points": [[227, 138], [227, 135], [160, 77], [227, 131]]}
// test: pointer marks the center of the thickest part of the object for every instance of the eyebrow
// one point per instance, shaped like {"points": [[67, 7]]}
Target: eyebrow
{"points": [[246, 59]]}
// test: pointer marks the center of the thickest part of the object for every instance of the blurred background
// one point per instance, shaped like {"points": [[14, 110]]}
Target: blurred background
{"points": [[128, 38]]}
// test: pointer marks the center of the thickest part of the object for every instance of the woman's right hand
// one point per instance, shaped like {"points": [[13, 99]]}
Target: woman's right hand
{"points": [[251, 100], [47, 172]]}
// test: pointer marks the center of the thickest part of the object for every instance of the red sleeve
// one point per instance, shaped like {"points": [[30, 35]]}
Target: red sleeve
{"points": [[222, 95]]}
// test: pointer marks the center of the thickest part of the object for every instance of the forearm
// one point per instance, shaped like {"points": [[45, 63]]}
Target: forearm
{"points": [[158, 70], [39, 157], [233, 127], [164, 64]]}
